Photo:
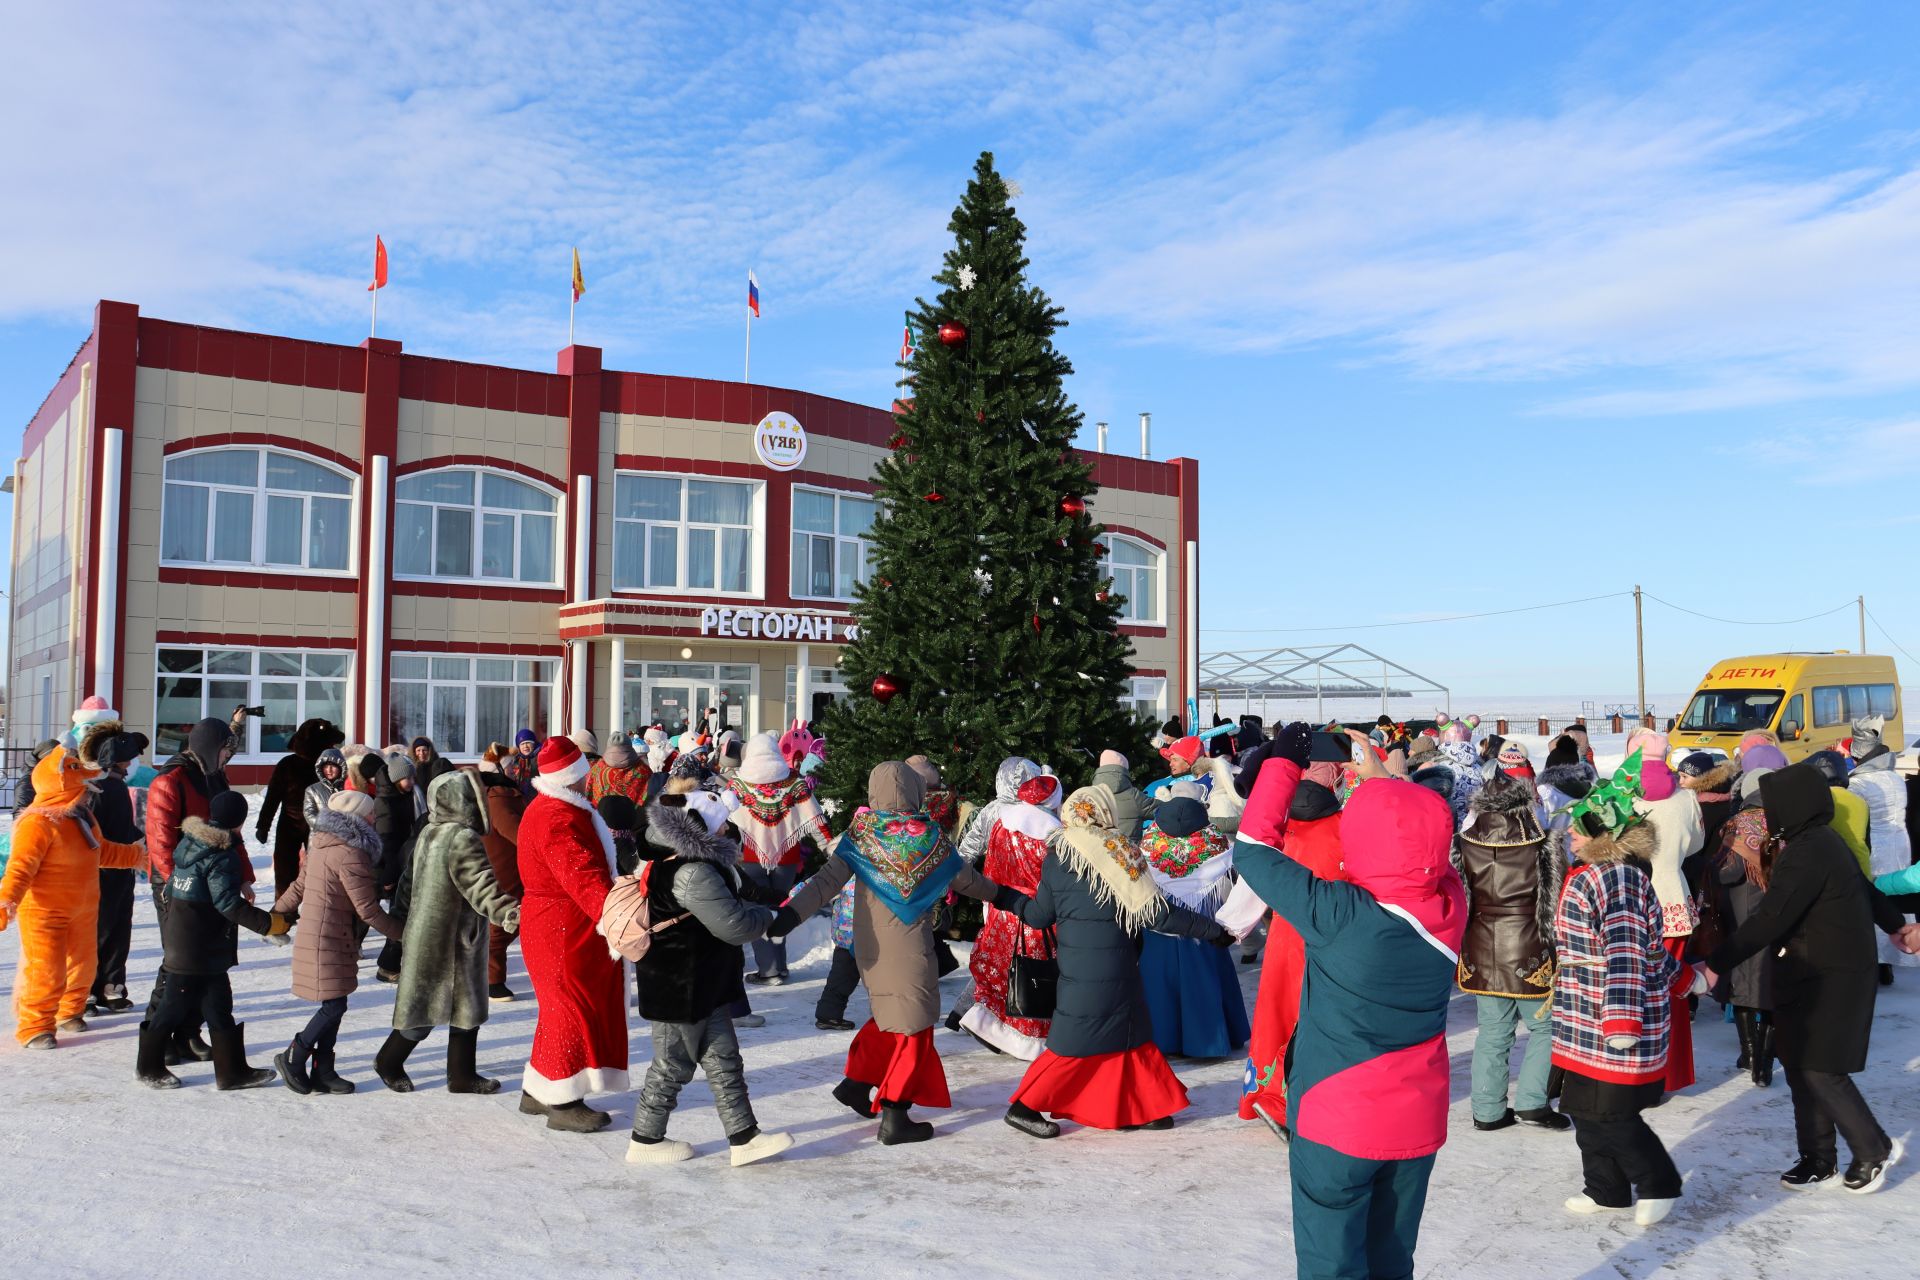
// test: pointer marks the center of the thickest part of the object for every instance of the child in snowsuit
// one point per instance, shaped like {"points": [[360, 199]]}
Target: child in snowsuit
{"points": [[53, 884], [691, 974], [200, 936], [1367, 1083]]}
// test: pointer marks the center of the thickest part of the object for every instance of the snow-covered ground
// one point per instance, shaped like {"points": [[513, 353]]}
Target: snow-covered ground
{"points": [[102, 1177]]}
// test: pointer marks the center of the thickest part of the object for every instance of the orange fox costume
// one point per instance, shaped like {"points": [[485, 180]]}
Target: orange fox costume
{"points": [[52, 886]]}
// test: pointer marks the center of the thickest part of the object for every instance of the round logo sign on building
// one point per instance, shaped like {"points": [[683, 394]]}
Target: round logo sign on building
{"points": [[780, 441]]}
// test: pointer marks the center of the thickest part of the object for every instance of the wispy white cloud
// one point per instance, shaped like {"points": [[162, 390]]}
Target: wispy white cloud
{"points": [[1844, 453]]}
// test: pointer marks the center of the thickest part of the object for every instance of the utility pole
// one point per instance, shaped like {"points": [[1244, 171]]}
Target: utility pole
{"points": [[1862, 602], [1640, 649]]}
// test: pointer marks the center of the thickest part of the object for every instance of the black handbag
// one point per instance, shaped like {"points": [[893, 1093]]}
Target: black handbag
{"points": [[1033, 981]]}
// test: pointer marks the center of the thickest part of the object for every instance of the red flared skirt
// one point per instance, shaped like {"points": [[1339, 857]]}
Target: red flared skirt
{"points": [[1106, 1091], [900, 1068], [1680, 1041]]}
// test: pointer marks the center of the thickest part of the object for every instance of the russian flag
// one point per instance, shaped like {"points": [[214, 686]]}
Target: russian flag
{"points": [[753, 294]]}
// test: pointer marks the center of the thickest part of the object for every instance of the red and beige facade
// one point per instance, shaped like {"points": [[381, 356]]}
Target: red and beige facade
{"points": [[410, 545]]}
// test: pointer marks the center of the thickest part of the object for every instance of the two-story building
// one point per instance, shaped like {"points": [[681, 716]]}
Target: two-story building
{"points": [[408, 545]]}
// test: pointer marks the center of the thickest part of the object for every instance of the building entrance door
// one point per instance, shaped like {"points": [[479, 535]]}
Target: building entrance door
{"points": [[675, 695]]}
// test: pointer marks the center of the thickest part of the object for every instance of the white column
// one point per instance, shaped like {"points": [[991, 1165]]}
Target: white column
{"points": [[582, 537], [577, 686], [106, 631], [1190, 595], [373, 700], [802, 682], [616, 685]]}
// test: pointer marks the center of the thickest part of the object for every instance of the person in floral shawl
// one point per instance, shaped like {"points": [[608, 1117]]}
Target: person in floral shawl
{"points": [[777, 811], [620, 772], [1015, 850], [1101, 1067], [904, 863], [1193, 993]]}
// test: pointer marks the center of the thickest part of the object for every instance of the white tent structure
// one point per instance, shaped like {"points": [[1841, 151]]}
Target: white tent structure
{"points": [[1338, 671]]}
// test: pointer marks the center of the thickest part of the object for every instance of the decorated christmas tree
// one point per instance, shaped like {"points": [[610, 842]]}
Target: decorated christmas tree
{"points": [[987, 627]]}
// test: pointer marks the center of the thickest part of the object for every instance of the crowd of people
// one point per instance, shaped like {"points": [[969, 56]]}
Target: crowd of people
{"points": [[1388, 871]]}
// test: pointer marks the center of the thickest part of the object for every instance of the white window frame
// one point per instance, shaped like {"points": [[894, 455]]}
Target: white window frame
{"points": [[1148, 689], [836, 537], [480, 510], [756, 538], [646, 673], [250, 752], [260, 492], [1158, 559], [836, 684], [472, 684]]}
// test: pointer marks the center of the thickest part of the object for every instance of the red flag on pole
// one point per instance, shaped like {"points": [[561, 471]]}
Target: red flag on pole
{"points": [[379, 265]]}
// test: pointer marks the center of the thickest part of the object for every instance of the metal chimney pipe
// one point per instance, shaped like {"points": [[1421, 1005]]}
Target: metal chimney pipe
{"points": [[1100, 429], [1146, 427]]}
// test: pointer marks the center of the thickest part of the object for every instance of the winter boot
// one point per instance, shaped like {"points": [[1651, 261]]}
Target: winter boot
{"points": [[1746, 1023], [149, 1066], [753, 1146], [291, 1062], [391, 1063], [896, 1126], [462, 1076], [568, 1117], [857, 1097], [72, 1026], [325, 1078], [1763, 1054], [230, 1069], [188, 1046], [1028, 1121]]}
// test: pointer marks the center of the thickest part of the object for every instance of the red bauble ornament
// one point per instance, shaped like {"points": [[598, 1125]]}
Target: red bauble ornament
{"points": [[936, 497], [980, 414], [899, 438], [1073, 507], [1101, 596], [953, 335], [1036, 624], [884, 687]]}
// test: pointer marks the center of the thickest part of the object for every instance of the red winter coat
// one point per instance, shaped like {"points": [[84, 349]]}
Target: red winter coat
{"points": [[180, 790], [565, 854], [1315, 844]]}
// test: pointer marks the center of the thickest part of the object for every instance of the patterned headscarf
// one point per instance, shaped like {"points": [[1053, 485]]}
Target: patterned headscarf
{"points": [[1119, 875]]}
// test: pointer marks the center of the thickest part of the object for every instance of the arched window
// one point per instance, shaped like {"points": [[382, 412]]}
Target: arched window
{"points": [[258, 507], [470, 523], [1134, 567]]}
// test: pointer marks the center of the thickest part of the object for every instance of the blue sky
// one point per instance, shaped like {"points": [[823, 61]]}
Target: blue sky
{"points": [[1462, 307]]}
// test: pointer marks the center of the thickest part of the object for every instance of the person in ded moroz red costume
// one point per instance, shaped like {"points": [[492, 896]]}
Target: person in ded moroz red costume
{"points": [[567, 866]]}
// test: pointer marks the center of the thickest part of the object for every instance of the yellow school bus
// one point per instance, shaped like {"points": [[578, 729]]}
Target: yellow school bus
{"points": [[1808, 700]]}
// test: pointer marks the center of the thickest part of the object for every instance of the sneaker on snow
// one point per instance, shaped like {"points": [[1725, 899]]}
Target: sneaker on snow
{"points": [[767, 979], [832, 1024], [1807, 1175], [119, 1003], [44, 1040], [1865, 1179], [1544, 1118], [1584, 1203], [759, 1147], [1649, 1211], [749, 1020], [1506, 1121], [500, 991], [662, 1151], [387, 975]]}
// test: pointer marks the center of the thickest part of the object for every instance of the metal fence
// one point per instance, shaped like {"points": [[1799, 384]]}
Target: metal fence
{"points": [[14, 764]]}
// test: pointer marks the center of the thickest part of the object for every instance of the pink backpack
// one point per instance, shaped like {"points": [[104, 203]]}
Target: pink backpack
{"points": [[626, 917]]}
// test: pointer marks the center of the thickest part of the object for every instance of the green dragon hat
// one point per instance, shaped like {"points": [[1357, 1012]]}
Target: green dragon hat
{"points": [[1611, 801]]}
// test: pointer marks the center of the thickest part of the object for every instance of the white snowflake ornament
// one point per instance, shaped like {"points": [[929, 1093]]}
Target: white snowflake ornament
{"points": [[966, 277]]}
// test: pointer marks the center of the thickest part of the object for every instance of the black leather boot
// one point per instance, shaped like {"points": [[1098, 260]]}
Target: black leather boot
{"points": [[1763, 1052], [325, 1078], [292, 1064], [896, 1126], [1745, 1023]]}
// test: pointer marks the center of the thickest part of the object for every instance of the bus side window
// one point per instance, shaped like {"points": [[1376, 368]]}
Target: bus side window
{"points": [[1793, 722], [1829, 704], [1869, 700]]}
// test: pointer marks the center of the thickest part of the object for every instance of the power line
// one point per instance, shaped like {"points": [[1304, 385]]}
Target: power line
{"points": [[1742, 622], [1417, 622], [1890, 640]]}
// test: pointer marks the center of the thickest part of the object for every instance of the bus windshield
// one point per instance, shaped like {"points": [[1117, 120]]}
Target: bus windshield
{"points": [[1731, 710]]}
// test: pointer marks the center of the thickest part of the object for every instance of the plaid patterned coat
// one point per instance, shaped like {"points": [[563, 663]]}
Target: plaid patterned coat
{"points": [[1615, 977]]}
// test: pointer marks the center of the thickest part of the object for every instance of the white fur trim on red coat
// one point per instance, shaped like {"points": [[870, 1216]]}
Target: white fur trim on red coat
{"points": [[549, 785], [555, 1093]]}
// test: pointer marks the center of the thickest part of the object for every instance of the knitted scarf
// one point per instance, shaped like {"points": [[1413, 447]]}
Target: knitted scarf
{"points": [[904, 859], [1119, 875]]}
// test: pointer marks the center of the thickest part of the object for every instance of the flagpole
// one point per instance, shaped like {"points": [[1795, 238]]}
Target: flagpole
{"points": [[374, 328], [746, 374], [572, 302]]}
